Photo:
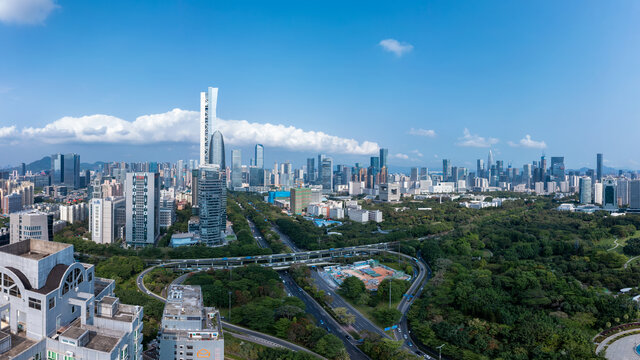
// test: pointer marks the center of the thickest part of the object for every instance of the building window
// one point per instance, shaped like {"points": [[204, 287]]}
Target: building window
{"points": [[52, 303], [89, 276], [35, 304], [52, 355]]}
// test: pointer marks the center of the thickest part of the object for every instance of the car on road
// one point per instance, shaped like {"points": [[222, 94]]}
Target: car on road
{"points": [[405, 336], [347, 337]]}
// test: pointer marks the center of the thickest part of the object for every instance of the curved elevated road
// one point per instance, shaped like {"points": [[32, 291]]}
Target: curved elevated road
{"points": [[283, 261]]}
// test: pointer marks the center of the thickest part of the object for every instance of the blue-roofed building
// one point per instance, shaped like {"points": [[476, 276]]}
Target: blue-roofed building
{"points": [[273, 195], [184, 239]]}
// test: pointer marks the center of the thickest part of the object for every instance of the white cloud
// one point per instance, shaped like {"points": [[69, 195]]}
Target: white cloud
{"points": [[26, 11], [8, 131], [396, 47], [401, 156], [474, 140], [529, 143], [417, 153], [422, 132], [180, 125]]}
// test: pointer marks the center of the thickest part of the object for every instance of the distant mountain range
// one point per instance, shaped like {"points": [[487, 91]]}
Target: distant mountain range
{"points": [[45, 164]]}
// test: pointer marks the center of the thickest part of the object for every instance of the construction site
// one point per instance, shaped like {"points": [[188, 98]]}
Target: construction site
{"points": [[369, 271]]}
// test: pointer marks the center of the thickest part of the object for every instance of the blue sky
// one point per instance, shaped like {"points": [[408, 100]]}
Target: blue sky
{"points": [[464, 76]]}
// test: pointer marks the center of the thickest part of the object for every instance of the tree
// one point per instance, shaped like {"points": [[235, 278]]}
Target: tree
{"points": [[352, 287], [282, 326], [632, 247], [398, 288], [387, 316], [329, 346], [343, 316]]}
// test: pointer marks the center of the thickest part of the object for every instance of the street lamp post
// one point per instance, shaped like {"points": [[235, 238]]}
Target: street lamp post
{"points": [[229, 314], [440, 351]]}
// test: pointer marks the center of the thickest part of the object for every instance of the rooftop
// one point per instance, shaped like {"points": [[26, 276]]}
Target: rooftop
{"points": [[74, 333], [184, 300], [34, 249], [101, 342]]}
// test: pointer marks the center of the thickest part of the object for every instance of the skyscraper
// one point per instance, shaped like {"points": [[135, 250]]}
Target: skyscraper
{"points": [[479, 166], [259, 156], [585, 190], [557, 167], [327, 174], [375, 163], [634, 194], [65, 170], [383, 157], [414, 174], [212, 202], [609, 194], [208, 103], [489, 159], [319, 175], [142, 208], [311, 170], [217, 151], [236, 168], [446, 169], [599, 167]]}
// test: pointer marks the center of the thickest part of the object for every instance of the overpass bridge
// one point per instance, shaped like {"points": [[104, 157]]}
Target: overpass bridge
{"points": [[275, 261]]}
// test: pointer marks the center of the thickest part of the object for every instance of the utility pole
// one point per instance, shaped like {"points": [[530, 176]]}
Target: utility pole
{"points": [[229, 306]]}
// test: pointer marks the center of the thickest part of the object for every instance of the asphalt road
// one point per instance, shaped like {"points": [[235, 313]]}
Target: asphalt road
{"points": [[285, 239], [323, 318], [256, 235]]}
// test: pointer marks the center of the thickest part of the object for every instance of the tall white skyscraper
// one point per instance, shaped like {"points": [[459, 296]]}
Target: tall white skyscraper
{"points": [[208, 102]]}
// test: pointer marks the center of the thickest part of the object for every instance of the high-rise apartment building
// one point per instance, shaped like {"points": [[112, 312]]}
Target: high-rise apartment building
{"points": [[212, 203], [31, 224], [300, 199], [56, 308], [142, 194], [189, 330], [236, 168], [208, 103], [105, 223]]}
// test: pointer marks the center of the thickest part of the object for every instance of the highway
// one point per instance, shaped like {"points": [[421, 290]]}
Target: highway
{"points": [[247, 334]]}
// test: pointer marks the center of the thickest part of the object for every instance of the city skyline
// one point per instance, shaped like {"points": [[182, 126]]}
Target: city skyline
{"points": [[450, 86]]}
